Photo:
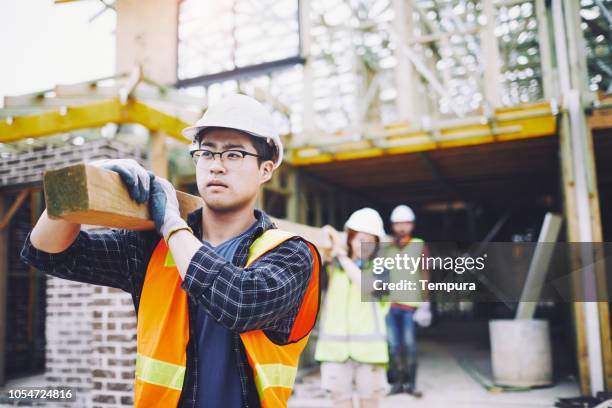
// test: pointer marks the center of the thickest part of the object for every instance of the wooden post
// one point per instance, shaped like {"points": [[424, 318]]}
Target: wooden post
{"points": [[318, 208], [293, 202], [581, 198], [3, 286], [147, 36], [490, 56], [549, 90], [409, 108], [308, 113], [159, 154], [302, 201], [331, 208], [569, 201]]}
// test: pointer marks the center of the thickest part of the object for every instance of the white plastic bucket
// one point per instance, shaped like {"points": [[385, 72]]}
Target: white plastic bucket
{"points": [[520, 352]]}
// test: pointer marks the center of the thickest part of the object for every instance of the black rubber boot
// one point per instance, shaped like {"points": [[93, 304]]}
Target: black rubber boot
{"points": [[410, 384], [396, 388], [395, 374]]}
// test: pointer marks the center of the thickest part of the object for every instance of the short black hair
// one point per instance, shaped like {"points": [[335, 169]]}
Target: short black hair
{"points": [[266, 151]]}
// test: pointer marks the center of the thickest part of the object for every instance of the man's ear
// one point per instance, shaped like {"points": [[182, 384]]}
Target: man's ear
{"points": [[265, 170]]}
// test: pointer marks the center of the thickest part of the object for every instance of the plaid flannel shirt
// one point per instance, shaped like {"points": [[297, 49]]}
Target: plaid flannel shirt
{"points": [[266, 295]]}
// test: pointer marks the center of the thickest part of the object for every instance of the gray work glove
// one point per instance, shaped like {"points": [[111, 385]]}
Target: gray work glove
{"points": [[164, 208], [136, 179]]}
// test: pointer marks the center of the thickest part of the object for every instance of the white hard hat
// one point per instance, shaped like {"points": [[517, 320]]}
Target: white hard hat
{"points": [[366, 220], [402, 213], [243, 113]]}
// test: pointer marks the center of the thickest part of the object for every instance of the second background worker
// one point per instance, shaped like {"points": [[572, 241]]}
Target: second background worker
{"points": [[401, 330]]}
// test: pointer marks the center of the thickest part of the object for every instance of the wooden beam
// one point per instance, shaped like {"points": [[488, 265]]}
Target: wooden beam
{"points": [[313, 234], [147, 34], [6, 218], [3, 286], [158, 153], [569, 204], [601, 119], [86, 194], [539, 266]]}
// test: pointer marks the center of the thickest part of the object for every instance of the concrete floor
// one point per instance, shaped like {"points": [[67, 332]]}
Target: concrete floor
{"points": [[445, 383], [442, 380]]}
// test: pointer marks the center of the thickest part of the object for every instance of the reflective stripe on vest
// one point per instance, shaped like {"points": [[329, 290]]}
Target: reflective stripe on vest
{"points": [[275, 366], [161, 358], [163, 333], [274, 375], [159, 372], [351, 328]]}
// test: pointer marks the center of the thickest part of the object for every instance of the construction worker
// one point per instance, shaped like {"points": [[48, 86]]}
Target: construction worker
{"points": [[225, 301], [352, 346], [402, 316]]}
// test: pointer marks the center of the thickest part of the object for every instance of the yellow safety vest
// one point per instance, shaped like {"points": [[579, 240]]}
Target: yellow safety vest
{"points": [[351, 328], [414, 248]]}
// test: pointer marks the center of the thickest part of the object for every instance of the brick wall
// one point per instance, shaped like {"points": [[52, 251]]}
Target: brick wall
{"points": [[91, 342], [69, 334], [28, 167], [90, 330], [114, 347]]}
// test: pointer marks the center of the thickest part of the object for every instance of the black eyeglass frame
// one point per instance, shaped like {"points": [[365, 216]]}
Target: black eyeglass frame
{"points": [[242, 152]]}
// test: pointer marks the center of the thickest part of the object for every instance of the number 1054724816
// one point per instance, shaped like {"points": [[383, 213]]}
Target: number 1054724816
{"points": [[43, 393]]}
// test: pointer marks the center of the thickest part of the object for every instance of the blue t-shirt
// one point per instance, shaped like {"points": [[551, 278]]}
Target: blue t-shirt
{"points": [[218, 377]]}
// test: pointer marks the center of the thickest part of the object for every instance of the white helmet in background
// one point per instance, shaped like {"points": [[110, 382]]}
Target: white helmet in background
{"points": [[366, 220], [240, 112], [402, 213]]}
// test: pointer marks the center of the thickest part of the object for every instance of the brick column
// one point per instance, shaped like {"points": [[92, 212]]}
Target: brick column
{"points": [[114, 347], [69, 336]]}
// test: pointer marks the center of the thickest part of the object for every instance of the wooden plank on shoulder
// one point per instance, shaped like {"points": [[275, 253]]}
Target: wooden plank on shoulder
{"points": [[86, 194]]}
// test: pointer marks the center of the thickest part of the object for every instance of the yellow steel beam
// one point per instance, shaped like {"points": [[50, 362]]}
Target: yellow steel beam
{"points": [[71, 118], [515, 123], [510, 124], [89, 116], [154, 119]]}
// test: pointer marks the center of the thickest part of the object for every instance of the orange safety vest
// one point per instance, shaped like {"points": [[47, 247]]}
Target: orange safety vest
{"points": [[163, 333]]}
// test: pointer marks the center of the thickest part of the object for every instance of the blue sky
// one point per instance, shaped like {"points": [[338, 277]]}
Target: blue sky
{"points": [[44, 44]]}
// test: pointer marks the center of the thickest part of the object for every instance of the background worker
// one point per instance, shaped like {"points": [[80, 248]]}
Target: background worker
{"points": [[215, 328], [401, 330], [352, 345]]}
